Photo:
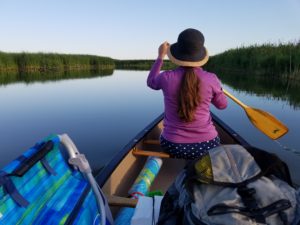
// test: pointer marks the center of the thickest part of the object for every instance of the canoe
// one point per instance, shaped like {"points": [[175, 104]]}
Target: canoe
{"points": [[120, 175], [117, 178], [47, 186]]}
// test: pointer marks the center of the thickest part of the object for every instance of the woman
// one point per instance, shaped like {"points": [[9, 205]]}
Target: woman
{"points": [[188, 91]]}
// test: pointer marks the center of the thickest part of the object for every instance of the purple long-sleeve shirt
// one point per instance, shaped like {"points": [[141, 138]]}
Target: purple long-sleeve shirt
{"points": [[202, 128]]}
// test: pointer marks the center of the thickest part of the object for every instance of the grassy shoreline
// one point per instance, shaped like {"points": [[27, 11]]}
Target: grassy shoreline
{"points": [[52, 62], [281, 61]]}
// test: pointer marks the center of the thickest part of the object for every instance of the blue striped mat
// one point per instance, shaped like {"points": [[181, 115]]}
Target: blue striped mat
{"points": [[49, 192]]}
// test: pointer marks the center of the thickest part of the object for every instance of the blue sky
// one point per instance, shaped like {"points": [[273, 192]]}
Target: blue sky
{"points": [[133, 29]]}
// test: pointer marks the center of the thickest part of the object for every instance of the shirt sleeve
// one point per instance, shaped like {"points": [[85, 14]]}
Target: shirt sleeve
{"points": [[154, 79], [219, 99]]}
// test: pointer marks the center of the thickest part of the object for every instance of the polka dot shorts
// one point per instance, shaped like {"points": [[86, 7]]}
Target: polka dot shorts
{"points": [[188, 150]]}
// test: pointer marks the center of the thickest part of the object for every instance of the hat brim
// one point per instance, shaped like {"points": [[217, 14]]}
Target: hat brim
{"points": [[188, 63]]}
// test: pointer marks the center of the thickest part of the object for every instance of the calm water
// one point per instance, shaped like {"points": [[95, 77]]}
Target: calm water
{"points": [[101, 114]]}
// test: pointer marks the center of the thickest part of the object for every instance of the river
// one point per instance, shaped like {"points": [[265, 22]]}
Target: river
{"points": [[102, 113]]}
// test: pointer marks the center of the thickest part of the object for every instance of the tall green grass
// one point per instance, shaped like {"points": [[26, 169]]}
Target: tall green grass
{"points": [[274, 60], [267, 59], [43, 62]]}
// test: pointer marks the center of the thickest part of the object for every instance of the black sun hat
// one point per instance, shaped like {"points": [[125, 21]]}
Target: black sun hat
{"points": [[189, 49]]}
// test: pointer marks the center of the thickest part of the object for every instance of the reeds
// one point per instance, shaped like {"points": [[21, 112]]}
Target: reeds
{"points": [[267, 59], [43, 62], [274, 60]]}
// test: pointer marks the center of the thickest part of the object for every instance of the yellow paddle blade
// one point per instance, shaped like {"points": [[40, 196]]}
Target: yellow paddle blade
{"points": [[262, 120], [266, 123]]}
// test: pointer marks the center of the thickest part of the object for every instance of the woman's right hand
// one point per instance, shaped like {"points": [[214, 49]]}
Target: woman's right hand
{"points": [[163, 49]]}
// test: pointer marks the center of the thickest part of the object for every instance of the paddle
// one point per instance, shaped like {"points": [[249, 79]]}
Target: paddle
{"points": [[262, 120]]}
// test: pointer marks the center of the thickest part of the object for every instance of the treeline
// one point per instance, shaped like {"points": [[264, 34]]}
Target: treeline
{"points": [[268, 59], [49, 62], [141, 64]]}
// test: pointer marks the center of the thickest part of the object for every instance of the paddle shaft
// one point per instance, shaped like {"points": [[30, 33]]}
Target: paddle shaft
{"points": [[234, 99]]}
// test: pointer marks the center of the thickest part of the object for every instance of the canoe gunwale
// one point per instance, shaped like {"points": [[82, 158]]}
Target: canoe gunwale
{"points": [[105, 173]]}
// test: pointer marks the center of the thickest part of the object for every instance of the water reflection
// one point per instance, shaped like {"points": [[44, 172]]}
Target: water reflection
{"points": [[270, 87], [102, 113], [13, 77]]}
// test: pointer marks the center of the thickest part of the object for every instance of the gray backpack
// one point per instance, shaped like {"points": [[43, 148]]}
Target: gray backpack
{"points": [[229, 187]]}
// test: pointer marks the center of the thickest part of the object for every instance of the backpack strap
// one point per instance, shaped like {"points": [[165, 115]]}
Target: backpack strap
{"points": [[47, 166], [11, 189], [270, 163], [26, 163], [257, 214], [74, 213]]}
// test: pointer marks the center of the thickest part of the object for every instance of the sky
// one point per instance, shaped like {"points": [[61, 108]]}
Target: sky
{"points": [[134, 29]]}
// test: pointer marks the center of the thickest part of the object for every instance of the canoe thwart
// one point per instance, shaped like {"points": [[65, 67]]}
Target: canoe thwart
{"points": [[151, 142], [139, 152], [114, 200]]}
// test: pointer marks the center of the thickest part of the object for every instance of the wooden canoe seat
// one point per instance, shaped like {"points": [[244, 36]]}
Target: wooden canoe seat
{"points": [[114, 200], [139, 152]]}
